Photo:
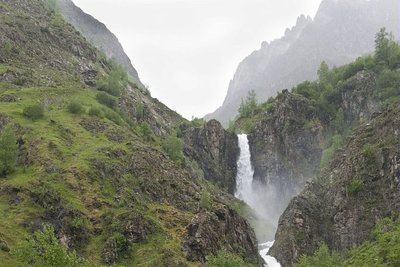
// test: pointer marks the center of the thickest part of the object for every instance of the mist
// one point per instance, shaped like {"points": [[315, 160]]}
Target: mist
{"points": [[188, 51]]}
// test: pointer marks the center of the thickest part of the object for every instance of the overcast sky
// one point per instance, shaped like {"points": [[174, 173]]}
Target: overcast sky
{"points": [[187, 51]]}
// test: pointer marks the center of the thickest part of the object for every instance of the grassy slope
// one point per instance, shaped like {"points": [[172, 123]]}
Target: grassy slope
{"points": [[80, 173]]}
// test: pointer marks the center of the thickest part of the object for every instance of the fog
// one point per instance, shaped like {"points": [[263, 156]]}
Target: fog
{"points": [[187, 51]]}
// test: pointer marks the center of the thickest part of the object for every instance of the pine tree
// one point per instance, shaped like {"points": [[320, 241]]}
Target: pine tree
{"points": [[382, 46]]}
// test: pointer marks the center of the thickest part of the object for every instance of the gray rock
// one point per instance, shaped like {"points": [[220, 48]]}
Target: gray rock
{"points": [[98, 34], [286, 149], [343, 205], [216, 151], [210, 232]]}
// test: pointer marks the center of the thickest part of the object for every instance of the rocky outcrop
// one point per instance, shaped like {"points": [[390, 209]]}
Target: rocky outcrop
{"points": [[342, 206], [209, 232], [357, 97], [340, 32], [98, 34], [142, 108], [216, 151], [286, 148]]}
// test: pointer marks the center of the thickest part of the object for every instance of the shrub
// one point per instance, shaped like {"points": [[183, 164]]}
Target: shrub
{"points": [[95, 112], [389, 85], [248, 107], [51, 4], [355, 186], [225, 259], [113, 116], [75, 107], [115, 81], [8, 151], [139, 110], [146, 132], [197, 122], [106, 99], [369, 153], [382, 251], [205, 200], [322, 258], [44, 249], [173, 146], [34, 112], [336, 141]]}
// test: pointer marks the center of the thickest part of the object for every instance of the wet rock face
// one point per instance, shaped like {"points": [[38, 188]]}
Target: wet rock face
{"points": [[286, 147], [359, 188], [209, 232], [216, 151]]}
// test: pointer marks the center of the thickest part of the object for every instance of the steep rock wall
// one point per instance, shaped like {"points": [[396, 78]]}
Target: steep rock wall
{"points": [[341, 207], [216, 151]]}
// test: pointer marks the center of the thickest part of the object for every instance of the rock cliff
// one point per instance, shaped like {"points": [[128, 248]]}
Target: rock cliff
{"points": [[290, 136], [97, 34], [342, 206], [206, 234], [286, 148], [216, 151]]}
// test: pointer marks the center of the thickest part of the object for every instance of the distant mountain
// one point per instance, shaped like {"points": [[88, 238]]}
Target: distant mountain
{"points": [[341, 31], [97, 33]]}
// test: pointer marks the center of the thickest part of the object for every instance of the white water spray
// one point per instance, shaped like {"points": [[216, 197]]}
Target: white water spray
{"points": [[250, 194]]}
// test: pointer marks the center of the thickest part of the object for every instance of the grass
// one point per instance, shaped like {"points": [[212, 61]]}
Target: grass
{"points": [[59, 141]]}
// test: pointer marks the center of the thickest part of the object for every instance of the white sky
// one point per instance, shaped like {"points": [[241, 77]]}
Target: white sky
{"points": [[187, 51]]}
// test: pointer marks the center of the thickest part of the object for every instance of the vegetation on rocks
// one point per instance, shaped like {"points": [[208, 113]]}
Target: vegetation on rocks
{"points": [[356, 179], [8, 151], [382, 251], [334, 142], [92, 188]]}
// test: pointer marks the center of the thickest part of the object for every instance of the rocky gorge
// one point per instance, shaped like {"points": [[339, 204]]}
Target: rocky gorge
{"points": [[105, 174]]}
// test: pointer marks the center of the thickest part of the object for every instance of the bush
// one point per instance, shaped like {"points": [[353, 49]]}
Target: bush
{"points": [[34, 112], [113, 116], [44, 249], [389, 85], [197, 122], [382, 251], [146, 132], [173, 146], [8, 151], [106, 99], [336, 141], [95, 112], [115, 81], [205, 200], [369, 153], [248, 107], [139, 110], [355, 186], [225, 259], [322, 258], [75, 107]]}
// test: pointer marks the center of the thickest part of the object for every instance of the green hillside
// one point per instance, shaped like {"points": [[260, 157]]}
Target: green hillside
{"points": [[94, 181]]}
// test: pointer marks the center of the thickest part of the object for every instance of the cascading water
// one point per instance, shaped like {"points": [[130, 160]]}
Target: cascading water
{"points": [[246, 192]]}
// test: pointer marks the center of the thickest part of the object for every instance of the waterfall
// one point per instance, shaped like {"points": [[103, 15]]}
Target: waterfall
{"points": [[244, 178], [249, 194]]}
